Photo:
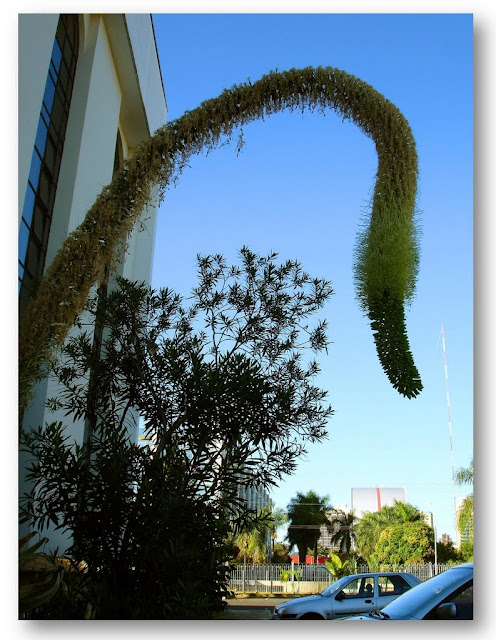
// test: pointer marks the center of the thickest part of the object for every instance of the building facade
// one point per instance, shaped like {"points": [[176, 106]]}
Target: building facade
{"points": [[90, 90], [374, 498]]}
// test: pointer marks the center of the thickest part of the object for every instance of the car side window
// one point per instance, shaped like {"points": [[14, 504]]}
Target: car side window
{"points": [[359, 588], [463, 598], [393, 585]]}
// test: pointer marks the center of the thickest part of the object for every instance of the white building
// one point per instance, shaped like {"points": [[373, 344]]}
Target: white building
{"points": [[90, 90], [364, 499]]}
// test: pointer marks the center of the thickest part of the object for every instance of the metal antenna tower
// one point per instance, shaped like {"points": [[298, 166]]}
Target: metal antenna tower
{"points": [[449, 424]]}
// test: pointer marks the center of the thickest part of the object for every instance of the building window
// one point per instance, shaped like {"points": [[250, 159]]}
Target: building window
{"points": [[37, 212]]}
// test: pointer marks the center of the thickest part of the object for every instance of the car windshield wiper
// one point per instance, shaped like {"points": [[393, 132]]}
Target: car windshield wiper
{"points": [[378, 614]]}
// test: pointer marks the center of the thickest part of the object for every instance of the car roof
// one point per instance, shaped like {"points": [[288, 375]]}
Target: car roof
{"points": [[378, 573]]}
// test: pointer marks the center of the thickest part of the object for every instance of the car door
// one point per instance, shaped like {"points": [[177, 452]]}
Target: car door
{"points": [[357, 596], [390, 587]]}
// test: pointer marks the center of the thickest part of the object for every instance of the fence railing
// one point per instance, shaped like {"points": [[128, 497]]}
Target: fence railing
{"points": [[307, 578]]}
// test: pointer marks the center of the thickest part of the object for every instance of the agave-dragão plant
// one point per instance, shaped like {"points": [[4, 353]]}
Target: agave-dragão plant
{"points": [[386, 256]]}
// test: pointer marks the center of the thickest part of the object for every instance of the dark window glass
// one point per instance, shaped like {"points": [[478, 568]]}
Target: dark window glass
{"points": [[45, 187], [41, 225], [41, 136], [50, 156], [27, 212], [68, 48], [34, 171], [45, 113], [49, 143], [23, 238], [64, 78], [49, 93], [58, 115], [56, 56], [33, 258]]}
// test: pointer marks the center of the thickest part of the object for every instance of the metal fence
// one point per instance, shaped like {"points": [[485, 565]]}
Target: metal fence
{"points": [[307, 578]]}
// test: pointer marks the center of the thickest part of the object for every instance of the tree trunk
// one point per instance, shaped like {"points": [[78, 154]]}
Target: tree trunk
{"points": [[302, 553]]}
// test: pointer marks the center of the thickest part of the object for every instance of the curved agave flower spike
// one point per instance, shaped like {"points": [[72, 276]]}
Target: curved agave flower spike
{"points": [[387, 251]]}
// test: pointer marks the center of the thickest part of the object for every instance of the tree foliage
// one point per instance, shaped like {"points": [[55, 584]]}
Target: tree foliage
{"points": [[226, 397], [404, 543], [446, 552], [465, 514], [337, 567], [372, 524], [465, 475], [386, 263], [306, 514], [465, 517], [344, 530], [280, 553]]}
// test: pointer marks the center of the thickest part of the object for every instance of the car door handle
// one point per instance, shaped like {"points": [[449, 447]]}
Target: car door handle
{"points": [[368, 601]]}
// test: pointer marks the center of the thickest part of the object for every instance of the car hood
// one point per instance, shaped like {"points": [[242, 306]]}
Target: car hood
{"points": [[302, 600]]}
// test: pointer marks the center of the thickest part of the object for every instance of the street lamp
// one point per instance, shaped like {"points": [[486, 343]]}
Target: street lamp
{"points": [[435, 539]]}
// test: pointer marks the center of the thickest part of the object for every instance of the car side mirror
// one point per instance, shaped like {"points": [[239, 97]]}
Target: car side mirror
{"points": [[446, 611], [339, 596]]}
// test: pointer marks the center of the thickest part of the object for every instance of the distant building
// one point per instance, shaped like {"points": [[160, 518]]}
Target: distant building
{"points": [[326, 532], [256, 498], [373, 499], [428, 518], [445, 538]]}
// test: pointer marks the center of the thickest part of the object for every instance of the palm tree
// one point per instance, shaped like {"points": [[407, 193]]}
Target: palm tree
{"points": [[400, 512], [367, 533], [279, 517], [465, 475], [251, 545], [306, 514], [344, 534]]}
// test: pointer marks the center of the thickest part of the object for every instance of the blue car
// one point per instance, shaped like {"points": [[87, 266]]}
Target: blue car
{"points": [[447, 596]]}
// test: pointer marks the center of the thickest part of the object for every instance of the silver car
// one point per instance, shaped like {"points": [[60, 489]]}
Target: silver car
{"points": [[447, 596], [357, 593]]}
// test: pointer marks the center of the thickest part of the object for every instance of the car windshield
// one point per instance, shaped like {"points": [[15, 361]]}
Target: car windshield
{"points": [[335, 586], [437, 586]]}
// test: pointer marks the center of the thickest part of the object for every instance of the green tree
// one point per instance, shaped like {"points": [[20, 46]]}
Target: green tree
{"points": [[467, 550], [280, 554], [251, 545], [371, 525], [446, 552], [465, 475], [279, 517], [221, 386], [465, 515], [404, 543], [306, 514], [344, 530]]}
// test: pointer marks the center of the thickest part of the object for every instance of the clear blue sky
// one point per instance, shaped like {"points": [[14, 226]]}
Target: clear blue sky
{"points": [[300, 188]]}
